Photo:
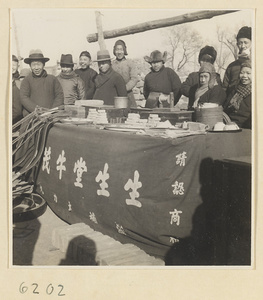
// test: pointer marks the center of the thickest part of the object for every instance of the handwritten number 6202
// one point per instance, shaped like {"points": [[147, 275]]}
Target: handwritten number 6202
{"points": [[49, 290]]}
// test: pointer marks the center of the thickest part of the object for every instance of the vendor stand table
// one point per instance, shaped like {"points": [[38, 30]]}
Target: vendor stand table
{"points": [[156, 193]]}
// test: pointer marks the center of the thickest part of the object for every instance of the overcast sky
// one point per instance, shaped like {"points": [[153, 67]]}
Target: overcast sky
{"points": [[63, 31]]}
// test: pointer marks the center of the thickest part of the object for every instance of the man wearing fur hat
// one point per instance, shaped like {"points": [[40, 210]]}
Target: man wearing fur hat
{"points": [[109, 84], [126, 68], [206, 54], [160, 82], [72, 84], [231, 77], [87, 74], [207, 90], [39, 88]]}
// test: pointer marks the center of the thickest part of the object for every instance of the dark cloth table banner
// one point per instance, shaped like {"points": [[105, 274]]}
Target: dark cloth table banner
{"points": [[137, 189]]}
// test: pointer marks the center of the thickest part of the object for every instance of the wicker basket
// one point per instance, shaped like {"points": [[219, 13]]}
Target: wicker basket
{"points": [[209, 116]]}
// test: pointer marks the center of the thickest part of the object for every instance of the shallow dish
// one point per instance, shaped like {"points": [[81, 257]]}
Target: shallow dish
{"points": [[226, 131]]}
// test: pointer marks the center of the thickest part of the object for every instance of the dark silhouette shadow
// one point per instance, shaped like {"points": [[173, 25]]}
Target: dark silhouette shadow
{"points": [[26, 209], [198, 248], [25, 236], [81, 251]]}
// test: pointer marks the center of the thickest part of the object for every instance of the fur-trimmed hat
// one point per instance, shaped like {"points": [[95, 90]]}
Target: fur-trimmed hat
{"points": [[244, 32], [122, 43], [207, 54], [35, 55], [209, 68], [156, 56]]}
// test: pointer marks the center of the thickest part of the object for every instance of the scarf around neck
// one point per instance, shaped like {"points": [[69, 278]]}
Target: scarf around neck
{"points": [[242, 91], [43, 74]]}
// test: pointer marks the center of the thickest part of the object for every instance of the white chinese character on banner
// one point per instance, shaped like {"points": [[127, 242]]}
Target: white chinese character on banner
{"points": [[60, 162], [178, 188], [103, 177], [173, 240], [181, 159], [55, 198], [79, 167], [93, 217], [46, 159], [175, 218], [69, 206], [134, 186], [120, 229]]}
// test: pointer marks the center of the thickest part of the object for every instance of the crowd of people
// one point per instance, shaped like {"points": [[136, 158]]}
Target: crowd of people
{"points": [[117, 77]]}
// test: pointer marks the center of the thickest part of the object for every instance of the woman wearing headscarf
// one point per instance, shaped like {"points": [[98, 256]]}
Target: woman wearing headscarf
{"points": [[207, 90], [238, 104], [206, 54], [160, 82], [126, 68]]}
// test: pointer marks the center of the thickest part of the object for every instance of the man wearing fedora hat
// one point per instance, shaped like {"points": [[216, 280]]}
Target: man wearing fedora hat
{"points": [[109, 84], [72, 84], [231, 77], [160, 82], [39, 88], [87, 74]]}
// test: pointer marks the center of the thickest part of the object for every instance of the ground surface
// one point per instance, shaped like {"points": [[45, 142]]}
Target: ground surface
{"points": [[32, 242], [49, 241]]}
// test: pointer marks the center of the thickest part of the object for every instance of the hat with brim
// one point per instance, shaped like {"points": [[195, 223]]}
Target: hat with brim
{"points": [[25, 72], [35, 55], [66, 59], [156, 56], [103, 55]]}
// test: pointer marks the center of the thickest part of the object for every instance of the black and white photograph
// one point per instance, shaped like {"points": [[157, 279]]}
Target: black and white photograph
{"points": [[131, 138]]}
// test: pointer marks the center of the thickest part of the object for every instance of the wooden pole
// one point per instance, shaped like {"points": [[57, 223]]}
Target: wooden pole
{"points": [[186, 18], [100, 36]]}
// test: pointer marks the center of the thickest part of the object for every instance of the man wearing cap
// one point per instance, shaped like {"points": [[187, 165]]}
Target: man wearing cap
{"points": [[87, 74], [126, 68], [160, 82], [207, 54], [39, 88], [72, 84], [109, 84], [16, 103], [231, 76]]}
